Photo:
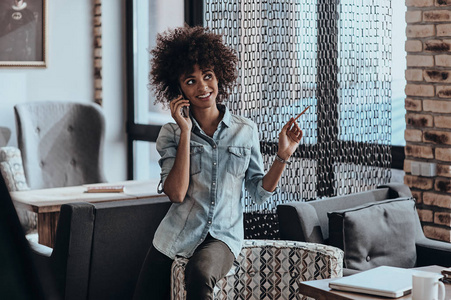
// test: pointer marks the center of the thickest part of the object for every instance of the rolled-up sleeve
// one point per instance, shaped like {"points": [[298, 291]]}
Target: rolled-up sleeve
{"points": [[167, 148], [255, 171]]}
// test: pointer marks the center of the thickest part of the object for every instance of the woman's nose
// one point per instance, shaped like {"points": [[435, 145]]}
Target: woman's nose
{"points": [[203, 86]]}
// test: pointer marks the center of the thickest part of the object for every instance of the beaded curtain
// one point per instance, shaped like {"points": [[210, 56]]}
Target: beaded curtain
{"points": [[331, 55]]}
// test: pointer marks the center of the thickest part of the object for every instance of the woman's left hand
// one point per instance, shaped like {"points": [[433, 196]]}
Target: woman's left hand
{"points": [[289, 138]]}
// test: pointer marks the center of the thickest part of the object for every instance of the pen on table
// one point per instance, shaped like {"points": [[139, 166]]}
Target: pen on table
{"points": [[302, 113]]}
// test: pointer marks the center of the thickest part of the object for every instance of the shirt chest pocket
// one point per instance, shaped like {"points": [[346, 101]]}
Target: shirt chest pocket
{"points": [[238, 160], [195, 165]]}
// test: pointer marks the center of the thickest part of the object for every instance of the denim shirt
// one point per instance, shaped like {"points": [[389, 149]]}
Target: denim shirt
{"points": [[220, 168]]}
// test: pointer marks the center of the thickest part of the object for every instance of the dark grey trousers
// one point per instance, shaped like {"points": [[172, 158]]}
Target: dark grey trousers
{"points": [[210, 262]]}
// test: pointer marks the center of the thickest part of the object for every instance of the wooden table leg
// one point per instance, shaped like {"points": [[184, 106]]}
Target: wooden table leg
{"points": [[47, 228]]}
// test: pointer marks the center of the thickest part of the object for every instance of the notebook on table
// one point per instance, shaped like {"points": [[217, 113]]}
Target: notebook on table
{"points": [[384, 281]]}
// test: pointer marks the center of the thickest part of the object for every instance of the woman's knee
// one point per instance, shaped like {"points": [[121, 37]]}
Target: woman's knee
{"points": [[199, 274]]}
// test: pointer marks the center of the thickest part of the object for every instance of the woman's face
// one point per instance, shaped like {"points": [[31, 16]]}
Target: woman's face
{"points": [[200, 87]]}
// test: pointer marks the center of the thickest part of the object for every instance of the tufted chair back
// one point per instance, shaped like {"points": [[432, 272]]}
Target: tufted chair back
{"points": [[61, 143]]}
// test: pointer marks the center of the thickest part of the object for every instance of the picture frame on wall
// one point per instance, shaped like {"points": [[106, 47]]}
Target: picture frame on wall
{"points": [[23, 33]]}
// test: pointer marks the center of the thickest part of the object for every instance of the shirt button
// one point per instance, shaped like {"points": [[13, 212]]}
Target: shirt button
{"points": [[214, 183], [214, 146], [209, 222], [214, 164], [212, 203]]}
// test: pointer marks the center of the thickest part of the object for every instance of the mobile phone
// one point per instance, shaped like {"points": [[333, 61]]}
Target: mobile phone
{"points": [[184, 111]]}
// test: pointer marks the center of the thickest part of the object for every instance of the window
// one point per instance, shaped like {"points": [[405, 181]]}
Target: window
{"points": [[145, 19]]}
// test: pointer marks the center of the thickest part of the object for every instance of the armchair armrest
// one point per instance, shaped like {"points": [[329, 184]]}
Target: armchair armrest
{"points": [[277, 265], [68, 262], [71, 254], [298, 221], [41, 258], [40, 250], [432, 252]]}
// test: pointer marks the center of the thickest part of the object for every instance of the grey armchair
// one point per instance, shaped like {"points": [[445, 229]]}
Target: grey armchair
{"points": [[376, 227], [61, 143]]}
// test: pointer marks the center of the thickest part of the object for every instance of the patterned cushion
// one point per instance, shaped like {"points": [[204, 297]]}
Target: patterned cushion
{"points": [[268, 269], [12, 171], [11, 168]]}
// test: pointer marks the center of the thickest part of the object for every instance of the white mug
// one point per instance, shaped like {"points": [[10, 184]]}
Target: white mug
{"points": [[426, 286]]}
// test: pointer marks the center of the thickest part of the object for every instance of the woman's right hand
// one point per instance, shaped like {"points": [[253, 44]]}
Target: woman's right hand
{"points": [[176, 106]]}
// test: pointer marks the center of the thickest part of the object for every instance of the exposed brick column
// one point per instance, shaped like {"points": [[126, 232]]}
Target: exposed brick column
{"points": [[428, 106]]}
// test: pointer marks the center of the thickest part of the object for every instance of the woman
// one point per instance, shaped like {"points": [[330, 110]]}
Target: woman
{"points": [[206, 157]]}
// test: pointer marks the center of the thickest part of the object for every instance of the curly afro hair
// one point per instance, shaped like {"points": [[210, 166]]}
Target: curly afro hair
{"points": [[176, 53]]}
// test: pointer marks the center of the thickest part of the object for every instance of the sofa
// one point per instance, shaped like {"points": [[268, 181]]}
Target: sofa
{"points": [[373, 228], [100, 247]]}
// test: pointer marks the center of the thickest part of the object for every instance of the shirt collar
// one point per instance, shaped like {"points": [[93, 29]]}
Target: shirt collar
{"points": [[226, 119]]}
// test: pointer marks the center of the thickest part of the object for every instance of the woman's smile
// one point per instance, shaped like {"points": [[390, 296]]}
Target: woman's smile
{"points": [[204, 96]]}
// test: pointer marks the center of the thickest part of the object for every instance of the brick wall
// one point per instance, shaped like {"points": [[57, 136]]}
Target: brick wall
{"points": [[98, 97], [428, 111]]}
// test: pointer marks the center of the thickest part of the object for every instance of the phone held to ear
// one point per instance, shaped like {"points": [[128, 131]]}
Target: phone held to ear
{"points": [[184, 111]]}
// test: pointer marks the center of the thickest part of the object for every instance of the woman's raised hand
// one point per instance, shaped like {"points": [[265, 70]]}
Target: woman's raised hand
{"points": [[289, 138], [176, 106]]}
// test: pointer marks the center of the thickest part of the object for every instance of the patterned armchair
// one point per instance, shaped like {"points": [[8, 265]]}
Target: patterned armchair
{"points": [[268, 269], [11, 169]]}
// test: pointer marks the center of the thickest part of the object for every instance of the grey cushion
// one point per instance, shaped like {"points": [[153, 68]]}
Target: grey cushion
{"points": [[308, 222], [375, 234], [61, 143]]}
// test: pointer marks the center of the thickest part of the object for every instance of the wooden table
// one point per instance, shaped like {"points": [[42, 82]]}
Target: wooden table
{"points": [[47, 202], [319, 289]]}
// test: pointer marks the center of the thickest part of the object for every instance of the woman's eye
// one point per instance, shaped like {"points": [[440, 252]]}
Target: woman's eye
{"points": [[208, 76], [189, 82]]}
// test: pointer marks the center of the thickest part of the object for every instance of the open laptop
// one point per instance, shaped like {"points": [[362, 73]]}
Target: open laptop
{"points": [[384, 281]]}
